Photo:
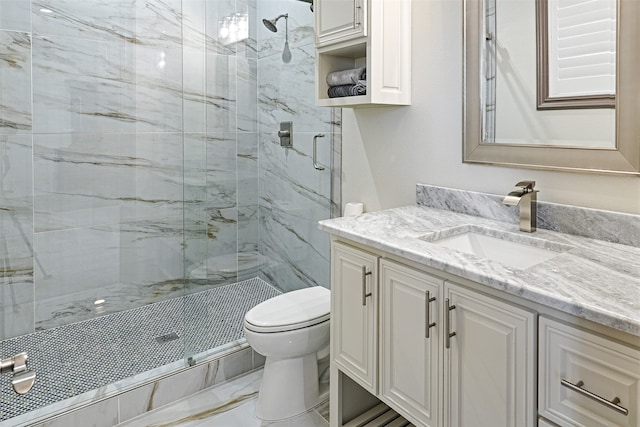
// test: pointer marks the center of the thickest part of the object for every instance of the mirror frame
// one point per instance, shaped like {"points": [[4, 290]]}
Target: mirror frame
{"points": [[624, 159]]}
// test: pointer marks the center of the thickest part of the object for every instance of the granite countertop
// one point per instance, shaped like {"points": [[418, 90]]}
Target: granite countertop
{"points": [[591, 279]]}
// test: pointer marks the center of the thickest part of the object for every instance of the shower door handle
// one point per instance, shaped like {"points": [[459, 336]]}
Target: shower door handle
{"points": [[315, 151]]}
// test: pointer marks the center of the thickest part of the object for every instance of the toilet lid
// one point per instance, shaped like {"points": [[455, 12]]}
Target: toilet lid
{"points": [[293, 310]]}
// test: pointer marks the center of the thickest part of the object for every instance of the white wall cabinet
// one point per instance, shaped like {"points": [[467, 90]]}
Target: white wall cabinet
{"points": [[339, 20], [483, 378], [371, 33]]}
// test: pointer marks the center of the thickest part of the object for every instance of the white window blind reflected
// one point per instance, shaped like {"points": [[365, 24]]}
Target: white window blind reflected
{"points": [[582, 47]]}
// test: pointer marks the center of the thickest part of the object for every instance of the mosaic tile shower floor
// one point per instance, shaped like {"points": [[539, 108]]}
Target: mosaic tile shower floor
{"points": [[80, 357]]}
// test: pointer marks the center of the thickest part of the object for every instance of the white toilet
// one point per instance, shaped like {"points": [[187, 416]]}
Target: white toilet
{"points": [[292, 332]]}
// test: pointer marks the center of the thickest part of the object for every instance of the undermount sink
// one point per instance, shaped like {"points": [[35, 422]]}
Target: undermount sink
{"points": [[514, 250]]}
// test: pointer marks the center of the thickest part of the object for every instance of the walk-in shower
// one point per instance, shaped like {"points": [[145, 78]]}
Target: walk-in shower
{"points": [[145, 201]]}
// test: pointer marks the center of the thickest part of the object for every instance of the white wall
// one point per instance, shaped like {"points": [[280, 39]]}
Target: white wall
{"points": [[386, 151]]}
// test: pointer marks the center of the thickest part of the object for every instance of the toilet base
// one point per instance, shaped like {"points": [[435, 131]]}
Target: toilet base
{"points": [[289, 387]]}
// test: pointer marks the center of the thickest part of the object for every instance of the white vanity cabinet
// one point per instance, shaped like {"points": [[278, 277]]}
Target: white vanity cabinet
{"points": [[410, 341], [469, 363], [354, 323], [375, 34], [586, 379], [339, 20], [489, 362]]}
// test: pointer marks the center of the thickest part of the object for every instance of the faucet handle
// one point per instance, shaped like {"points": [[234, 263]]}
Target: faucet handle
{"points": [[527, 186]]}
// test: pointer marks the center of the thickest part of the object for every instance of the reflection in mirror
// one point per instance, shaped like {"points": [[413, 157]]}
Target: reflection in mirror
{"points": [[576, 53], [502, 122], [581, 64]]}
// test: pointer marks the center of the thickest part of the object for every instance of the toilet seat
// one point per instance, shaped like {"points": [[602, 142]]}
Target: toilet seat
{"points": [[294, 310]]}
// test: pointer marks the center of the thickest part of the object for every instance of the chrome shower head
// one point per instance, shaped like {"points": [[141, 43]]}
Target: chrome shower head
{"points": [[271, 23]]}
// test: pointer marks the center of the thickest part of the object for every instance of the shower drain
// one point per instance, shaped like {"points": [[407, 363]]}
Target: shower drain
{"points": [[166, 338]]}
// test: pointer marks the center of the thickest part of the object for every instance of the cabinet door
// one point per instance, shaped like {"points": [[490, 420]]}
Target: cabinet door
{"points": [[339, 20], [354, 300], [585, 379], [489, 365], [409, 346]]}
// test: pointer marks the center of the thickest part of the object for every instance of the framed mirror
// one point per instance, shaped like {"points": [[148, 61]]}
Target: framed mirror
{"points": [[504, 41]]}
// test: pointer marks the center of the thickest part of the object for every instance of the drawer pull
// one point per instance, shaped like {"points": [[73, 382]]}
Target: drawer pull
{"points": [[613, 404], [365, 294]]}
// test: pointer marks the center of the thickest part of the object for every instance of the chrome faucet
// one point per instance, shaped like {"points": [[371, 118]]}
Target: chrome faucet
{"points": [[526, 198]]}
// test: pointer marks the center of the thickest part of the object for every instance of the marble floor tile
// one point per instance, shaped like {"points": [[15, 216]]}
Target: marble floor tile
{"points": [[231, 404]]}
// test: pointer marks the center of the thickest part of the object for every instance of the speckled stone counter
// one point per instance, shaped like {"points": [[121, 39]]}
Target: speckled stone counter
{"points": [[594, 279]]}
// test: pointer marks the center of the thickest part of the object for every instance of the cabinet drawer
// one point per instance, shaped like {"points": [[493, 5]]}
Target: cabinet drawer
{"points": [[586, 380]]}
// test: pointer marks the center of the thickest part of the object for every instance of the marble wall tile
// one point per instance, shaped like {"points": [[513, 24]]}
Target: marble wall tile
{"points": [[75, 260], [102, 414], [248, 242], [221, 170], [301, 25], [247, 164], [248, 48], [237, 363], [293, 255], [248, 222], [195, 195], [15, 82], [288, 180], [15, 15], [145, 23], [16, 298], [84, 180], [222, 245], [151, 258], [82, 85], [247, 94], [221, 208], [215, 13], [162, 392], [286, 93], [195, 89], [221, 93], [128, 265], [16, 236], [293, 197], [16, 190]]}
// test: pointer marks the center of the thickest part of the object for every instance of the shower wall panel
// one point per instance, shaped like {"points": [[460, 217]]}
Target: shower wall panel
{"points": [[139, 165], [16, 190], [293, 195], [108, 167]]}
